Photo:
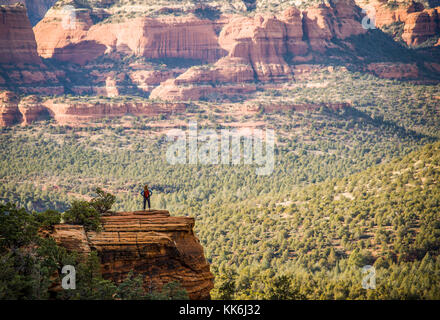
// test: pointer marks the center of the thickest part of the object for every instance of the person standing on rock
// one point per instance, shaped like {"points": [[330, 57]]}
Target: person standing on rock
{"points": [[146, 194]]}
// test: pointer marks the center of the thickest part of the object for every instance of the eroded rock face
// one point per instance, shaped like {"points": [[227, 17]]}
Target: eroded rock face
{"points": [[260, 41], [258, 48], [32, 109], [171, 37], [78, 112], [17, 41], [228, 76], [152, 243], [394, 70], [36, 8], [9, 113], [420, 26], [419, 23], [323, 22]]}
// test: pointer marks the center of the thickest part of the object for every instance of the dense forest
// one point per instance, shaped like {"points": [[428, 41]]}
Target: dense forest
{"points": [[351, 187]]}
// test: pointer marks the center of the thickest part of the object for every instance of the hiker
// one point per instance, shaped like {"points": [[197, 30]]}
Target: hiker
{"points": [[146, 194]]}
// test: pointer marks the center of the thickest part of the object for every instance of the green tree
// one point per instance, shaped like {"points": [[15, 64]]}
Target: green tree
{"points": [[131, 288], [103, 202], [17, 227], [173, 291], [83, 213], [48, 218]]}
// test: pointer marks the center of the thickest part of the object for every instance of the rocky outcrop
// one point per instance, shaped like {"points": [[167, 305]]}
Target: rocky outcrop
{"points": [[228, 77], [258, 48], [31, 79], [420, 26], [21, 69], [171, 37], [324, 22], [9, 113], [152, 243], [419, 23], [36, 9], [32, 110], [147, 80], [260, 42], [17, 41], [72, 112], [394, 70]]}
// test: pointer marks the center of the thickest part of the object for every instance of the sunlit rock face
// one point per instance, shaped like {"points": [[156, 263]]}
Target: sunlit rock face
{"points": [[152, 243]]}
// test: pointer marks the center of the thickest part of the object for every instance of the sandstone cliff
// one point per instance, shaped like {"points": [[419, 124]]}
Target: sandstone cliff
{"points": [[77, 112], [173, 37], [259, 48], [419, 23], [31, 109], [126, 54], [420, 26], [9, 113], [36, 9], [152, 243], [17, 41], [21, 69]]}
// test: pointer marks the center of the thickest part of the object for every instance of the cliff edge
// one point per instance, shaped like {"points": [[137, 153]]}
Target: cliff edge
{"points": [[152, 243]]}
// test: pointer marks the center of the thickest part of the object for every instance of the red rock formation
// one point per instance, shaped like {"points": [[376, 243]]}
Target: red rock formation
{"points": [[323, 22], [261, 42], [77, 112], [152, 243], [171, 37], [36, 9], [64, 39], [9, 113], [419, 23], [420, 26], [32, 109], [17, 41], [257, 49], [229, 76], [386, 14], [31, 79], [293, 23], [390, 70], [147, 80]]}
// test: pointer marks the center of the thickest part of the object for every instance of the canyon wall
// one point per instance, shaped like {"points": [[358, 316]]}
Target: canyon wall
{"points": [[419, 23], [14, 110], [173, 37], [152, 243], [17, 41], [36, 9], [262, 48], [77, 112], [9, 114]]}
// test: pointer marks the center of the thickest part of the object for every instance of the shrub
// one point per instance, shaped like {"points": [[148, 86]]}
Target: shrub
{"points": [[48, 218], [103, 202], [17, 227], [83, 213]]}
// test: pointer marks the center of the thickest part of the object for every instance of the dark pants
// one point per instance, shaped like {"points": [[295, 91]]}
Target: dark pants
{"points": [[145, 201]]}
